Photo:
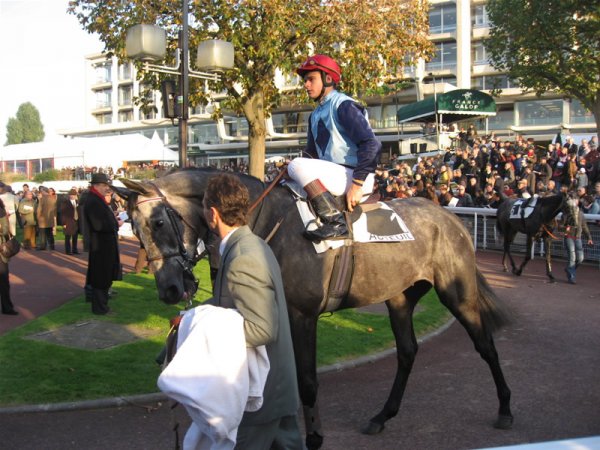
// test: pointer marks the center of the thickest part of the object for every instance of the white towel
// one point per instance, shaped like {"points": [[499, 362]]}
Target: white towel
{"points": [[215, 376]]}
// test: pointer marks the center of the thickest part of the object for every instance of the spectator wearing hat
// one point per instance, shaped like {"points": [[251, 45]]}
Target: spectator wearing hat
{"points": [[581, 178], [27, 207], [543, 170], [104, 265], [46, 215], [69, 214]]}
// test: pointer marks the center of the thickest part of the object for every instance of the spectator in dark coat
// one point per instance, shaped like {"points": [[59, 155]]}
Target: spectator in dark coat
{"points": [[69, 214], [104, 265]]}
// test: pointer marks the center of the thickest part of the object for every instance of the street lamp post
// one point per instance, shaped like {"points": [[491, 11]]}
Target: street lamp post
{"points": [[184, 87], [148, 44], [435, 108]]}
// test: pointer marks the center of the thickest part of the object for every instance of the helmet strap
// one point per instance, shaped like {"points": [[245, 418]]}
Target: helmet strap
{"points": [[325, 85]]}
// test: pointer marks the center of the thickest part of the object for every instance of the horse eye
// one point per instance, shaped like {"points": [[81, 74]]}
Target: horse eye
{"points": [[160, 223]]}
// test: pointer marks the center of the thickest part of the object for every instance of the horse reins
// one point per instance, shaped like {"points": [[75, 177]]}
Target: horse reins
{"points": [[262, 196]]}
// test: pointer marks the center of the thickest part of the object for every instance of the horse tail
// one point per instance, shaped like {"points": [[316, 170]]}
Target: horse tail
{"points": [[494, 313]]}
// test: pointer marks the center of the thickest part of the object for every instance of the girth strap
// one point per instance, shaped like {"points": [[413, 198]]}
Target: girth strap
{"points": [[341, 274]]}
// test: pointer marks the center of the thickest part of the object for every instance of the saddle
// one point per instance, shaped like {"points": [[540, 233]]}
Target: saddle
{"points": [[371, 221]]}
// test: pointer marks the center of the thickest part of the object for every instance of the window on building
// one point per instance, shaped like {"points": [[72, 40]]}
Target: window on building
{"points": [[445, 57], [450, 79], [442, 19], [104, 118], [47, 164], [480, 54], [539, 112], [147, 114], [125, 71], [147, 93], [237, 126], [290, 122], [125, 95], [104, 98], [20, 166], [205, 133], [489, 82], [125, 116], [480, 16], [504, 118], [103, 71], [579, 113], [172, 136], [389, 116]]}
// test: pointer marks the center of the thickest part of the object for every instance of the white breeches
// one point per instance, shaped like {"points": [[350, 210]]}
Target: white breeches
{"points": [[337, 179]]}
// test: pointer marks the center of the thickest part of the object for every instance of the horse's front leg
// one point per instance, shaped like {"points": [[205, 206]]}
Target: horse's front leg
{"points": [[304, 337], [547, 243], [406, 349], [528, 247], [507, 243]]}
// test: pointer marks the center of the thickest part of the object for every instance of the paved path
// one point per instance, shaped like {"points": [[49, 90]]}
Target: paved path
{"points": [[549, 354]]}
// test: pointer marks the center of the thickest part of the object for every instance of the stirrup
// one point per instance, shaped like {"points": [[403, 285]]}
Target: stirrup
{"points": [[320, 234]]}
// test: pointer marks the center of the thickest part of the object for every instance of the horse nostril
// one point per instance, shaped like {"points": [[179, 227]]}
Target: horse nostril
{"points": [[172, 295]]}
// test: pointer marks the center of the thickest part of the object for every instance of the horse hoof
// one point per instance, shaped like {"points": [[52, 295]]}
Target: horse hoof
{"points": [[373, 428], [504, 422], [552, 280], [517, 272], [314, 441]]}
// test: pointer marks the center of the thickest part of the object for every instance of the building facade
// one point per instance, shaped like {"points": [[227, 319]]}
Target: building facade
{"points": [[457, 28]]}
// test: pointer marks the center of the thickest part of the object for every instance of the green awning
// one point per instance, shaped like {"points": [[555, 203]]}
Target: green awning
{"points": [[452, 106]]}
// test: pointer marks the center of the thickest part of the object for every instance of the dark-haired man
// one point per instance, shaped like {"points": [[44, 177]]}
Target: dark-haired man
{"points": [[249, 280]]}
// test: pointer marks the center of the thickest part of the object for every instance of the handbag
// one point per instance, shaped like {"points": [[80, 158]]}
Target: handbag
{"points": [[10, 248]]}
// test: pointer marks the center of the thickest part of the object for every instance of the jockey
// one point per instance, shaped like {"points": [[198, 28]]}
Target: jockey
{"points": [[341, 147]]}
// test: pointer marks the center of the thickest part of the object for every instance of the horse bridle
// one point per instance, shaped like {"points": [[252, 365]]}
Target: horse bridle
{"points": [[187, 261]]}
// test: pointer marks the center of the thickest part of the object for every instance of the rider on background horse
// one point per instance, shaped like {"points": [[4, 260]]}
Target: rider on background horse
{"points": [[342, 148]]}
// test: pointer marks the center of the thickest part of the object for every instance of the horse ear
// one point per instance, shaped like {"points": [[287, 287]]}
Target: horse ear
{"points": [[124, 193], [135, 186]]}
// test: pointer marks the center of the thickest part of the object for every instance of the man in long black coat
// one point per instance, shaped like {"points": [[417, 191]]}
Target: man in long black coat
{"points": [[104, 264]]}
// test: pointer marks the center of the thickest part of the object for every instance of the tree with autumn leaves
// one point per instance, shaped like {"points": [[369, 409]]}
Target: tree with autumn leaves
{"points": [[549, 45], [372, 40]]}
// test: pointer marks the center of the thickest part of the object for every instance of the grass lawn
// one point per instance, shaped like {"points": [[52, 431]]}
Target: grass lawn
{"points": [[39, 372]]}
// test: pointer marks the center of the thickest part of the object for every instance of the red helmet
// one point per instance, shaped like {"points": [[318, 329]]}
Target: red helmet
{"points": [[322, 63]]}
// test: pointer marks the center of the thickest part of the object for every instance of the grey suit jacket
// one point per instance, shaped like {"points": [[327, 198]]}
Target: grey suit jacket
{"points": [[249, 280]]}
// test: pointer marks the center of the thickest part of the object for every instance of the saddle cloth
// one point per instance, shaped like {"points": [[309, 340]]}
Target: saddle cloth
{"points": [[523, 207], [379, 223]]}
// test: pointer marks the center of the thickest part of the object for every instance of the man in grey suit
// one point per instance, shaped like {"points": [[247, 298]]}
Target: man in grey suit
{"points": [[249, 280]]}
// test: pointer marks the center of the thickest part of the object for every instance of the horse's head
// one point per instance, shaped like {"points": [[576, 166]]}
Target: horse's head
{"points": [[570, 209], [169, 232]]}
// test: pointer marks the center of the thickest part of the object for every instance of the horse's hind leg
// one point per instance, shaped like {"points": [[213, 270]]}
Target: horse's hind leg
{"points": [[469, 305], [400, 309]]}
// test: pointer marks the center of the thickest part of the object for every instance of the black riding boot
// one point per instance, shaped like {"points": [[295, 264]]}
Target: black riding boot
{"points": [[334, 224]]}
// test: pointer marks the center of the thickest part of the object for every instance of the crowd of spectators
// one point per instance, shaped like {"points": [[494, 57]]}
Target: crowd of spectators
{"points": [[483, 171], [84, 173]]}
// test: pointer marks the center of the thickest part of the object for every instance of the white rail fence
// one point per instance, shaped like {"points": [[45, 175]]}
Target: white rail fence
{"points": [[481, 223]]}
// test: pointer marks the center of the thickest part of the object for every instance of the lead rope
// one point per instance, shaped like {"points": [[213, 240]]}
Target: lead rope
{"points": [[170, 350]]}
